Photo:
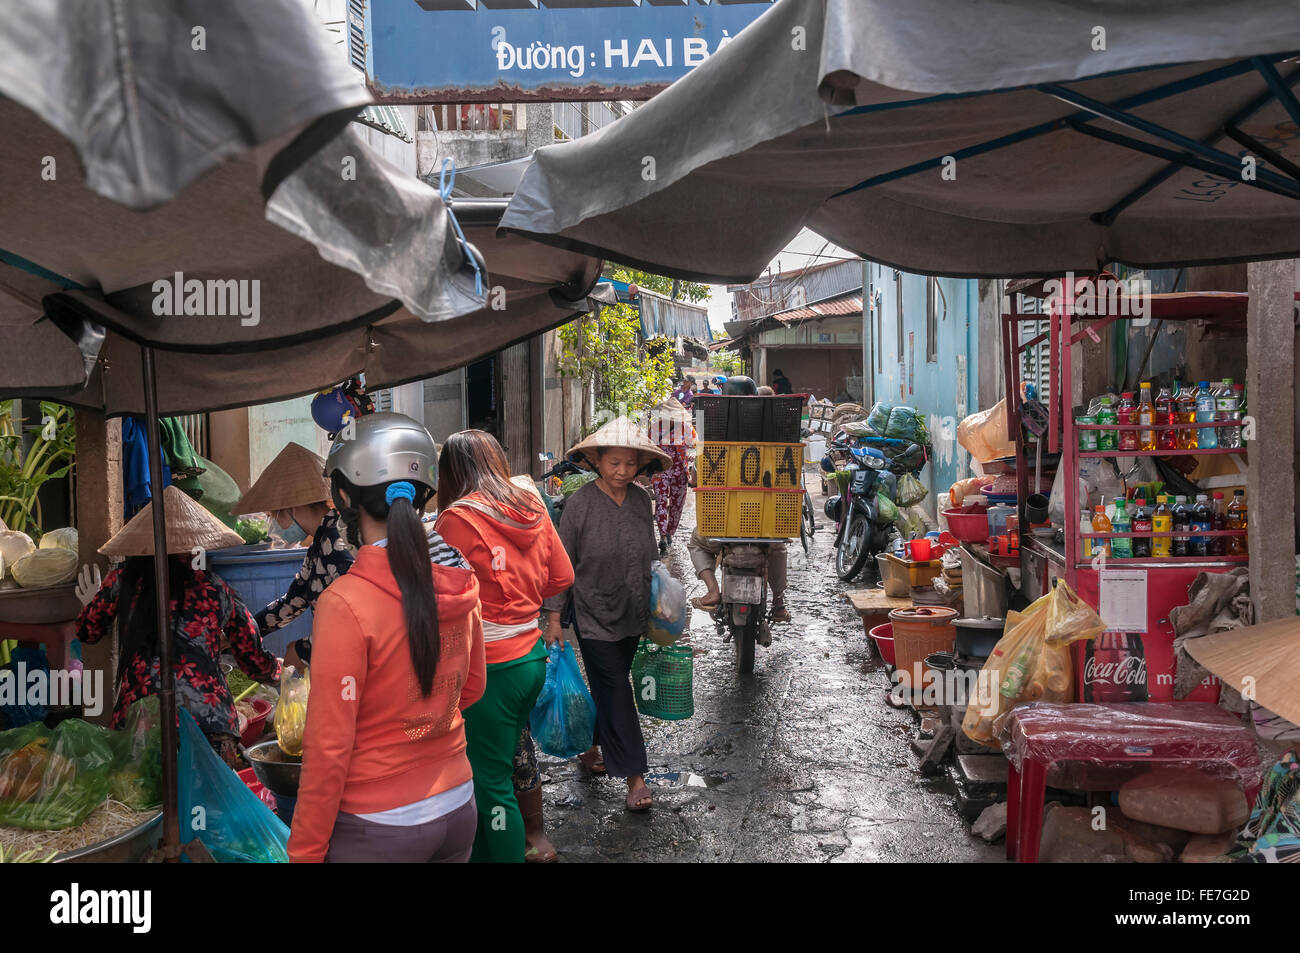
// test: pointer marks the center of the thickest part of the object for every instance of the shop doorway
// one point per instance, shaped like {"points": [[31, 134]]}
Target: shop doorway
{"points": [[482, 397]]}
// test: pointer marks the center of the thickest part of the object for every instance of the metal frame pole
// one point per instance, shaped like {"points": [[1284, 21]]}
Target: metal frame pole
{"points": [[162, 608]]}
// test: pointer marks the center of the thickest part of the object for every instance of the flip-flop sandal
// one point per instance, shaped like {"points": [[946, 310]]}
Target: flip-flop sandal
{"points": [[703, 606], [636, 796], [595, 764], [781, 614]]}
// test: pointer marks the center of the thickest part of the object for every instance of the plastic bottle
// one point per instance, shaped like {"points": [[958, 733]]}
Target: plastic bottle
{"points": [[1146, 416], [1230, 409], [1202, 522], [1085, 526], [1166, 414], [1182, 523], [1141, 524], [1185, 406], [1122, 546], [1101, 524], [1106, 415], [1206, 411], [1127, 414], [1162, 521], [1216, 545], [1236, 519], [1087, 438]]}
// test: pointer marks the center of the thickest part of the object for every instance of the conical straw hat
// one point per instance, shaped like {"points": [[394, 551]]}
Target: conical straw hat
{"points": [[670, 423], [620, 432], [1260, 661], [293, 478], [189, 526]]}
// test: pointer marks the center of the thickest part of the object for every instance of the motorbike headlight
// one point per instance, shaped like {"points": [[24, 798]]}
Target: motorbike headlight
{"points": [[834, 505]]}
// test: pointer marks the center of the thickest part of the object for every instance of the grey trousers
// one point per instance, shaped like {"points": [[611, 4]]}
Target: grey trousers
{"points": [[704, 557], [446, 840]]}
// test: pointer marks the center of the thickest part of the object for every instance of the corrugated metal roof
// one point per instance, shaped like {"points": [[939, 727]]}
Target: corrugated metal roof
{"points": [[845, 304], [385, 119]]}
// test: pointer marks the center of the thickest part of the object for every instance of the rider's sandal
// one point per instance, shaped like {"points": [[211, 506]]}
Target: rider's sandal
{"points": [[699, 603], [779, 612]]}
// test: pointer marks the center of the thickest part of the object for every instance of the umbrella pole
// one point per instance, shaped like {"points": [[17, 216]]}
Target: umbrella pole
{"points": [[162, 606]]}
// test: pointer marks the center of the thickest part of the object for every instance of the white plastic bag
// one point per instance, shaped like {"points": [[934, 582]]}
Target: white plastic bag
{"points": [[669, 610]]}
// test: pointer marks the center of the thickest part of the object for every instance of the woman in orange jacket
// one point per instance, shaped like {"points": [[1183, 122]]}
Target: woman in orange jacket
{"points": [[505, 533], [385, 777]]}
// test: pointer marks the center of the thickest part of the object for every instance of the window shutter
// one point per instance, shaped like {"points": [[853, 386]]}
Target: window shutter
{"points": [[357, 33]]}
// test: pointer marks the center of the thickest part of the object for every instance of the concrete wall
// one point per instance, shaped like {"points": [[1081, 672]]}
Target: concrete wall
{"points": [[946, 389]]}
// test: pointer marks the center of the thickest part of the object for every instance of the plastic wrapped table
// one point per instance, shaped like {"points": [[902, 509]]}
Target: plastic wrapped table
{"points": [[1039, 735]]}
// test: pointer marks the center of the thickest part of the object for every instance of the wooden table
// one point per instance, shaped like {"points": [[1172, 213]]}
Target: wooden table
{"points": [[873, 606]]}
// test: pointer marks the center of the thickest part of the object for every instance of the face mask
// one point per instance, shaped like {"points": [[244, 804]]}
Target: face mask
{"points": [[294, 535]]}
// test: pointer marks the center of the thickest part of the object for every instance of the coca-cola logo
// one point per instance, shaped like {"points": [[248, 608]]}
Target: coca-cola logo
{"points": [[1128, 670]]}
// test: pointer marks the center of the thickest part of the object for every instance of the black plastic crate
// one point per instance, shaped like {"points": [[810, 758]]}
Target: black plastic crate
{"points": [[711, 416], [783, 419], [748, 419]]}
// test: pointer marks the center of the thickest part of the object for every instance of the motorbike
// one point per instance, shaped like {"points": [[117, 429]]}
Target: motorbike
{"points": [[742, 615], [549, 485], [859, 535]]}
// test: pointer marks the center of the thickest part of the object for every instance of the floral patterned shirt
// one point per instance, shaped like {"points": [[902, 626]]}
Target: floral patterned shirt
{"points": [[327, 558], [209, 610]]}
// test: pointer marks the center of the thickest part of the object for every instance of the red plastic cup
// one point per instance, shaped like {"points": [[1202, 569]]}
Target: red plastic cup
{"points": [[920, 549]]}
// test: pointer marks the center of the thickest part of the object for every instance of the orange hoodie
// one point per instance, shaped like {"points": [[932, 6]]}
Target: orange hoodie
{"points": [[371, 742], [519, 561]]}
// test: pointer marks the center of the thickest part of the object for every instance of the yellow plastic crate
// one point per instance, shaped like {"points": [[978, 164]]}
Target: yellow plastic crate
{"points": [[773, 514], [767, 466]]}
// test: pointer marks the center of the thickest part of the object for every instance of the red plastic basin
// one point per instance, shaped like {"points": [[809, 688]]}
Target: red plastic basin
{"points": [[883, 636], [253, 730], [249, 777], [968, 524]]}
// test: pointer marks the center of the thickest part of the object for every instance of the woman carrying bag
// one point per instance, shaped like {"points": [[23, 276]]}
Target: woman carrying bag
{"points": [[608, 530], [385, 777], [508, 538]]}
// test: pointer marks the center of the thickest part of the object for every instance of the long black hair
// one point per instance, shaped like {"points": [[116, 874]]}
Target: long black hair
{"points": [[408, 557], [139, 621]]}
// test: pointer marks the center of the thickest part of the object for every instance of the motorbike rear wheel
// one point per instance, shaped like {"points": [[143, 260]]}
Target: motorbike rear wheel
{"points": [[854, 548], [746, 637]]}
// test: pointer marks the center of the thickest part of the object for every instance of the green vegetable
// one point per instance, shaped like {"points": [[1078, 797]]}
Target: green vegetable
{"points": [[252, 531], [238, 682]]}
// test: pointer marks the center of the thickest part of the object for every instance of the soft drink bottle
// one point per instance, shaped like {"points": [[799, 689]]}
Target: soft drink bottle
{"points": [[1202, 522], [1185, 407], [1217, 545], [1230, 409], [1236, 519], [1115, 669], [1106, 415], [1127, 414], [1166, 414], [1182, 523], [1141, 524], [1146, 416], [1085, 526], [1162, 521], [1206, 412], [1122, 546], [1101, 524]]}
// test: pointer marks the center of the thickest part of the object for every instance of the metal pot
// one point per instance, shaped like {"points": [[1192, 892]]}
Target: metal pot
{"points": [[129, 847], [984, 589], [280, 777], [977, 637]]}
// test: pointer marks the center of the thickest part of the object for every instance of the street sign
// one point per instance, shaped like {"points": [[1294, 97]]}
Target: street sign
{"points": [[444, 51]]}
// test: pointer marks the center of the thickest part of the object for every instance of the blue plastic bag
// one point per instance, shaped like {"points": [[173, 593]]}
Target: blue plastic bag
{"points": [[24, 660], [219, 809], [564, 719]]}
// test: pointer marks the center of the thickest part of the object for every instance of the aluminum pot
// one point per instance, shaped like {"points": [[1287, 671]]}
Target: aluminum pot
{"points": [[977, 637], [280, 777], [984, 589]]}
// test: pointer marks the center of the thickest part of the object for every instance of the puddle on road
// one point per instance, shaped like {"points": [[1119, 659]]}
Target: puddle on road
{"points": [[685, 779]]}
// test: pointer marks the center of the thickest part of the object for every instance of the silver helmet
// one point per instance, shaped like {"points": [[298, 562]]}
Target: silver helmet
{"points": [[380, 448]]}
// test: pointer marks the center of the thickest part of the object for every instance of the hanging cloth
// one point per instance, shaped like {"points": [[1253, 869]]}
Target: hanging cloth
{"points": [[135, 467], [177, 451]]}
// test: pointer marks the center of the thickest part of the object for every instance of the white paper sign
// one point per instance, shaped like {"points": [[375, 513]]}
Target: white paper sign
{"points": [[1124, 600]]}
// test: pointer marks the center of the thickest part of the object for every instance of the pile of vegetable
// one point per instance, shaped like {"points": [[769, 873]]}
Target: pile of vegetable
{"points": [[574, 482], [252, 530], [25, 564]]}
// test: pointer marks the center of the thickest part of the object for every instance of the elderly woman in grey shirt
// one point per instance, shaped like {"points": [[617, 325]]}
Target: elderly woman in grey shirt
{"points": [[608, 529]]}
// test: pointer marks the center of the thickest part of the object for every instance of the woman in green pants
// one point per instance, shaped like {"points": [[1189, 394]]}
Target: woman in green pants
{"points": [[505, 534]]}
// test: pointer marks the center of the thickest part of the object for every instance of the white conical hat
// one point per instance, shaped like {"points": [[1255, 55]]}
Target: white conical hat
{"points": [[294, 478], [1260, 661], [189, 527], [620, 432]]}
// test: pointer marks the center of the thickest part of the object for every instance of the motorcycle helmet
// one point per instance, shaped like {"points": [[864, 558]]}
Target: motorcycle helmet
{"points": [[740, 386], [828, 465], [376, 452], [834, 505]]}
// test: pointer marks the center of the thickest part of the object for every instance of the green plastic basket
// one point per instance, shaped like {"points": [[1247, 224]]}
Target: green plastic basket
{"points": [[663, 680]]}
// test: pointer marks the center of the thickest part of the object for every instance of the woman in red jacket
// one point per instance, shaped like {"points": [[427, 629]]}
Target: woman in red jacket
{"points": [[385, 777], [507, 536]]}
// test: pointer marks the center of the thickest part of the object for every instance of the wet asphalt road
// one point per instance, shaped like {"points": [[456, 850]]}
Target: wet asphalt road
{"points": [[802, 761]]}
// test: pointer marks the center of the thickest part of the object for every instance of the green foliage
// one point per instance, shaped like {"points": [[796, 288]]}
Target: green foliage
{"points": [[691, 291], [22, 472], [602, 351], [727, 363]]}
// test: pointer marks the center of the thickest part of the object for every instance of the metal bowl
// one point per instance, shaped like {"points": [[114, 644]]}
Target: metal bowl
{"points": [[126, 848], [280, 777]]}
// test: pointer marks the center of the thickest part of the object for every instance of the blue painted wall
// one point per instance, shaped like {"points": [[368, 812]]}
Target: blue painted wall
{"points": [[944, 389]]}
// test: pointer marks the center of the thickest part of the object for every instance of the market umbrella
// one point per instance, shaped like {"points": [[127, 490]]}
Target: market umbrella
{"points": [[172, 136], [858, 103]]}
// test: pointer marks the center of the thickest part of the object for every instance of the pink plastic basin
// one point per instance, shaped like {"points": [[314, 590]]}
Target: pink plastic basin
{"points": [[883, 636]]}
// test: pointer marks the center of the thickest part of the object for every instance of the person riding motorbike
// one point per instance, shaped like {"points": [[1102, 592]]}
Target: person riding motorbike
{"points": [[704, 551]]}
